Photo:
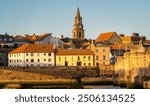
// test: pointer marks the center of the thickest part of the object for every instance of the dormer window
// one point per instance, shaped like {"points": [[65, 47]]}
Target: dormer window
{"points": [[5, 39], [10, 39]]}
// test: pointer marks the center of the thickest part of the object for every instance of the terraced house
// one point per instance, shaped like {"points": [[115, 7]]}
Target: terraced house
{"points": [[74, 57], [32, 55]]}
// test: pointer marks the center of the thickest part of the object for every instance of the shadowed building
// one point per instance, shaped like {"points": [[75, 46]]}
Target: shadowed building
{"points": [[78, 31]]}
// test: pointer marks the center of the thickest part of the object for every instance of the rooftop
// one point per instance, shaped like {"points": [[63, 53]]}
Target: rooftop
{"points": [[105, 36], [74, 52], [41, 37], [119, 47], [34, 48]]}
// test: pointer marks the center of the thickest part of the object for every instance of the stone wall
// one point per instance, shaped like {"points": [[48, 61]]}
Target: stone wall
{"points": [[133, 64]]}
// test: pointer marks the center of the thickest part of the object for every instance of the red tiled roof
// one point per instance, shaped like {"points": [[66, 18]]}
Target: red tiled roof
{"points": [[34, 48], [119, 47], [104, 36], [74, 52]]}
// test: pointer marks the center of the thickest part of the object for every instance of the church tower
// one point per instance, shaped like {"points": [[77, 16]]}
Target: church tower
{"points": [[78, 31]]}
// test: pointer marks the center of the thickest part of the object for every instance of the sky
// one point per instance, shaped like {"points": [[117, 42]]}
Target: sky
{"points": [[19, 17]]}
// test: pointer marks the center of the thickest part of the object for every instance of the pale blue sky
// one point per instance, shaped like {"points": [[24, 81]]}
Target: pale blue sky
{"points": [[57, 16]]}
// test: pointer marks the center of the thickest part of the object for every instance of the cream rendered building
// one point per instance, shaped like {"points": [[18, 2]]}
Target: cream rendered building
{"points": [[32, 55], [74, 57]]}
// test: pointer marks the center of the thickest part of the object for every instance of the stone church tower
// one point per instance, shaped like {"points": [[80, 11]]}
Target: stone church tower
{"points": [[78, 31]]}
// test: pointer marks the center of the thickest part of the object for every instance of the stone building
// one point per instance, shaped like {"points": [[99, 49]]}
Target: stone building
{"points": [[102, 58], [108, 38], [78, 31], [134, 63], [134, 39], [102, 55]]}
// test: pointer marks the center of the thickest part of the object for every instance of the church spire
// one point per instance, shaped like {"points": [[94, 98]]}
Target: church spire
{"points": [[78, 31], [78, 12]]}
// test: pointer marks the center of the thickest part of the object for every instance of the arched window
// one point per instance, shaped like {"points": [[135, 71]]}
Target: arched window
{"points": [[79, 34]]}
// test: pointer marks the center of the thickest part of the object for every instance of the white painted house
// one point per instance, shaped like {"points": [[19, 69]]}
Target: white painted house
{"points": [[48, 39], [32, 55]]}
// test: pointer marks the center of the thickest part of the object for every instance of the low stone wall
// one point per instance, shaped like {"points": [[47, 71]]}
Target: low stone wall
{"points": [[101, 81]]}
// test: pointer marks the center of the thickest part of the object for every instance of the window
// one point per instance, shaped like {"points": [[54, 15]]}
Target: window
{"points": [[44, 59], [79, 34], [84, 64], [97, 64], [44, 54], [78, 58], [32, 60], [49, 54], [31, 54], [97, 58], [103, 50], [89, 64], [104, 57], [10, 39], [49, 60], [27, 60], [103, 63], [38, 60], [38, 54], [59, 58], [9, 61], [49, 64], [65, 58], [26, 54], [96, 50], [72, 58], [84, 57], [89, 58], [5, 39]]}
